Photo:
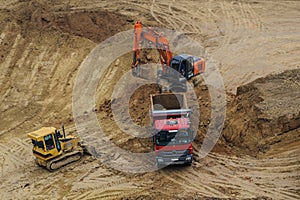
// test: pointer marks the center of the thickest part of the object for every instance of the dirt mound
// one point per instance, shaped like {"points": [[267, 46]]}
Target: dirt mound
{"points": [[263, 111], [139, 106], [95, 25]]}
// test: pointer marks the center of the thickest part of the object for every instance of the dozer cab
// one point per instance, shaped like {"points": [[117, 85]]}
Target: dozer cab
{"points": [[54, 150]]}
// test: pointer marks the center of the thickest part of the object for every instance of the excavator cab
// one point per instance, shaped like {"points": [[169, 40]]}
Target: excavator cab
{"points": [[185, 65], [52, 149]]}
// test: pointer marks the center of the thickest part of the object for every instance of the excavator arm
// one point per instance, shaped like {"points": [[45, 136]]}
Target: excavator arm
{"points": [[150, 36]]}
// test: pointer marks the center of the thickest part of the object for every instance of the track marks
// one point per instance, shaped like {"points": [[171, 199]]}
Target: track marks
{"points": [[6, 68], [14, 154], [194, 181], [101, 183], [263, 177]]}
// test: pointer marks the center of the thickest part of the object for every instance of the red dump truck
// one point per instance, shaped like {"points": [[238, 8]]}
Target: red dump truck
{"points": [[171, 129]]}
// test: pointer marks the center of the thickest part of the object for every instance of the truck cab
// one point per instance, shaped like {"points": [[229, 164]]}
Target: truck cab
{"points": [[173, 143], [171, 129]]}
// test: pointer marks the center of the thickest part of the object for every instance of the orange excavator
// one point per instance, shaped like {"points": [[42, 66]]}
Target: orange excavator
{"points": [[187, 65]]}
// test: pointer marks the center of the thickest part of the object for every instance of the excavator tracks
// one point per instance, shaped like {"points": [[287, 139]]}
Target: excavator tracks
{"points": [[64, 160]]}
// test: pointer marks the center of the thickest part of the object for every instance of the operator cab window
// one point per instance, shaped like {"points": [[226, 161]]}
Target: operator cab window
{"points": [[39, 144], [175, 64], [183, 67], [49, 142]]}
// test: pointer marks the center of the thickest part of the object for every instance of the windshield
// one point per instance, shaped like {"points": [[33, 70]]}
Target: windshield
{"points": [[39, 144], [165, 138], [49, 142], [175, 65]]}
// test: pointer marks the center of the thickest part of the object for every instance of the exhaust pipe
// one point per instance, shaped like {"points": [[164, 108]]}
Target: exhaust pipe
{"points": [[63, 129]]}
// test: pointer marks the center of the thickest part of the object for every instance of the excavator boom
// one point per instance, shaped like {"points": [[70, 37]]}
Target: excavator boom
{"points": [[150, 36]]}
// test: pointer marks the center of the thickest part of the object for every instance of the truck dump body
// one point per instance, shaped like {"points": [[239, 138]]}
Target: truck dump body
{"points": [[168, 104]]}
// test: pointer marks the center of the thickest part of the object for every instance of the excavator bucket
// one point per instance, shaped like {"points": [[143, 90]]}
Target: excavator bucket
{"points": [[169, 83], [145, 72], [180, 87]]}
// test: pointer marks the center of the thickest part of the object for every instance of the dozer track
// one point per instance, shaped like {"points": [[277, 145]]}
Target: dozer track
{"points": [[64, 160]]}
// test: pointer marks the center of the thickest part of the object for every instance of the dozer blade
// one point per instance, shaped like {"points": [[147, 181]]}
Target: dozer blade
{"points": [[89, 150]]}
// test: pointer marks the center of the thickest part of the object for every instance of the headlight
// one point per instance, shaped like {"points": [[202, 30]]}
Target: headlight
{"points": [[160, 160], [188, 158]]}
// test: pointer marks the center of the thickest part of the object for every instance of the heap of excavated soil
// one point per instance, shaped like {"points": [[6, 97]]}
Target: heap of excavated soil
{"points": [[265, 112], [95, 25]]}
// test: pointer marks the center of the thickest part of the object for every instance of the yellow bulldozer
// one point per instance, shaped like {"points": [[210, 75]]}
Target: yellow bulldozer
{"points": [[53, 149]]}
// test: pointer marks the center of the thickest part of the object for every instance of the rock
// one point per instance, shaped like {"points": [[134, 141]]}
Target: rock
{"points": [[149, 57], [117, 62], [130, 20], [26, 185]]}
